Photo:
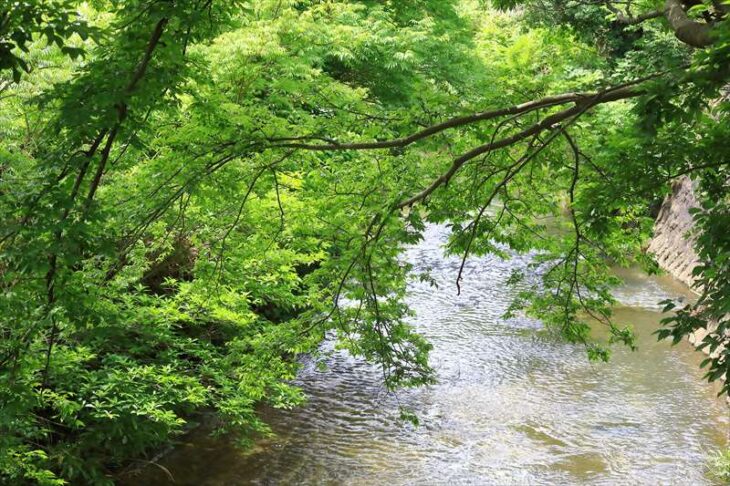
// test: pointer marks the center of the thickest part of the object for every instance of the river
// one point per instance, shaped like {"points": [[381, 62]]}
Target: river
{"points": [[512, 406]]}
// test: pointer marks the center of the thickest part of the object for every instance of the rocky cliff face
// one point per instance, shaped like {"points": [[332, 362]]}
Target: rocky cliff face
{"points": [[671, 245]]}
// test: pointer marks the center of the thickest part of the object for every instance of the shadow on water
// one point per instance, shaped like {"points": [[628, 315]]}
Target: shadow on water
{"points": [[512, 406]]}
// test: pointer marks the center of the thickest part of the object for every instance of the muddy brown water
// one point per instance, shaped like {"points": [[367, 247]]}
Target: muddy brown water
{"points": [[512, 406]]}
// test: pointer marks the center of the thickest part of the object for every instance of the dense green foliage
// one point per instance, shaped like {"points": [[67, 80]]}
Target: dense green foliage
{"points": [[22, 22], [214, 187]]}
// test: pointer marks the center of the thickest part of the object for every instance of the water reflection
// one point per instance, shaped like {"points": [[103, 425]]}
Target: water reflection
{"points": [[512, 405]]}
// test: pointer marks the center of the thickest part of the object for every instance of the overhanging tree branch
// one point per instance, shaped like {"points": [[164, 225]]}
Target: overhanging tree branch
{"points": [[627, 18], [546, 123], [596, 97], [582, 102], [691, 32]]}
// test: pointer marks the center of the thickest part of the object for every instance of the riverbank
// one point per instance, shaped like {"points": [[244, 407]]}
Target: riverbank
{"points": [[673, 246]]}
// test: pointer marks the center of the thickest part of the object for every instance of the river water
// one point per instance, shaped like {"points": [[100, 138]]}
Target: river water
{"points": [[512, 406]]}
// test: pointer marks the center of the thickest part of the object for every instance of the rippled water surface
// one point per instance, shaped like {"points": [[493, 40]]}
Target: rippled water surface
{"points": [[512, 405]]}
